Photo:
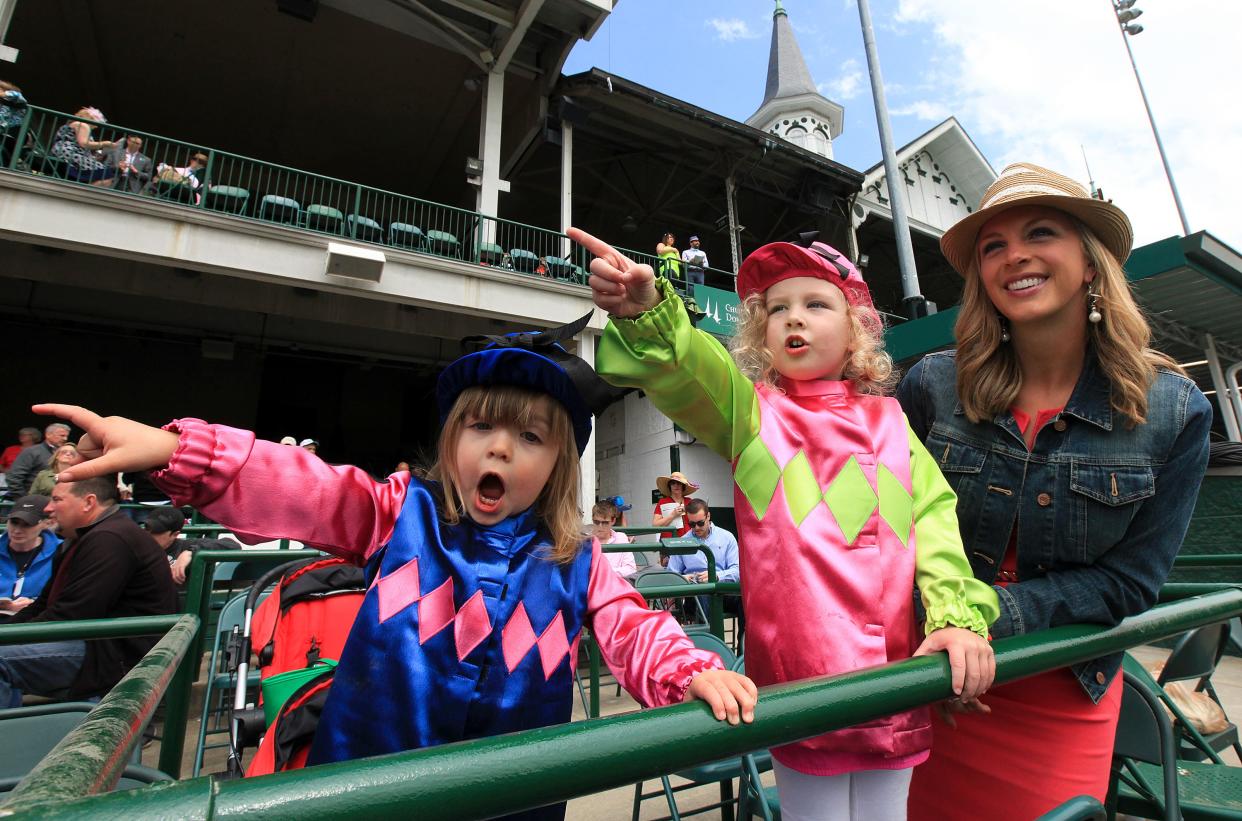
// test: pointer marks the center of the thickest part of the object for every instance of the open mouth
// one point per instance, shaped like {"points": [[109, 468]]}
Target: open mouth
{"points": [[490, 490], [1025, 284], [796, 344]]}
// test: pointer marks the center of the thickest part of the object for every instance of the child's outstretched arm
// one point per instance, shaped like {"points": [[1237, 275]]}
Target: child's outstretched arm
{"points": [[112, 444], [730, 695], [619, 285]]}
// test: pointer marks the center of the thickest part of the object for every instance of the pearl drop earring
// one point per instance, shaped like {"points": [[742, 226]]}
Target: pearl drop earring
{"points": [[1005, 337], [1093, 314]]}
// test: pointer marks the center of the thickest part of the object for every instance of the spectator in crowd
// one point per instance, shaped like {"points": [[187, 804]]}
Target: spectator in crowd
{"points": [[541, 267], [603, 517], [622, 506], [25, 438], [669, 263], [288, 440], [73, 145], [34, 458], [186, 175], [165, 524], [696, 260], [402, 466], [133, 168], [65, 456], [671, 508], [310, 445], [27, 549], [12, 105], [108, 568], [721, 542]]}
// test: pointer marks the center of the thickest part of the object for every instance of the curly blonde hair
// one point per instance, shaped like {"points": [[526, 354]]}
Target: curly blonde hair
{"points": [[557, 505], [989, 376], [868, 366]]}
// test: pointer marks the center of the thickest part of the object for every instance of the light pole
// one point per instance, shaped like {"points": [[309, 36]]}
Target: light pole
{"points": [[1126, 13]]}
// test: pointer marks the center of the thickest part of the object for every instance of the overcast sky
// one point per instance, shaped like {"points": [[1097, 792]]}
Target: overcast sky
{"points": [[1028, 81]]}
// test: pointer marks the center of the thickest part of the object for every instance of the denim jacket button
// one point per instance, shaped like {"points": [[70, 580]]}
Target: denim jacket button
{"points": [[1044, 499], [1059, 425], [1100, 678]]}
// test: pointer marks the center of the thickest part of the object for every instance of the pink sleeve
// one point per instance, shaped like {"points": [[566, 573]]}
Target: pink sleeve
{"points": [[645, 649], [262, 491]]}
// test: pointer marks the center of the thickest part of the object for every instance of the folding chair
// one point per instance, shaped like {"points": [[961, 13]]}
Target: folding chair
{"points": [[656, 576], [323, 218], [1079, 808], [1148, 780], [1194, 658]]}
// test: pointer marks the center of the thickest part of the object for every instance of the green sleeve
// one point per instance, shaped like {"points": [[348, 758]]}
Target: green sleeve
{"points": [[951, 593], [686, 373]]}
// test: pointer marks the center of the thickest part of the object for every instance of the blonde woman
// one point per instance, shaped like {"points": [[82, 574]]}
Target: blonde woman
{"points": [[74, 145], [1076, 452], [65, 456]]}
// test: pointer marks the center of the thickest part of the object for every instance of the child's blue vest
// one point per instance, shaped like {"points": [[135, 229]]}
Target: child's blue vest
{"points": [[465, 632]]}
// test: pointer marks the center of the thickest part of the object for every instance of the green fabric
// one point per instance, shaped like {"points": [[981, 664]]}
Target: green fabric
{"points": [[850, 499], [896, 506], [690, 377], [801, 490], [951, 593], [757, 475]]}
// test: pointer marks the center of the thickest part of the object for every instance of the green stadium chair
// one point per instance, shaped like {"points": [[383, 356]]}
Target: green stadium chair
{"points": [[523, 261], [1193, 659], [226, 198], [1079, 808], [490, 253], [323, 218], [364, 229], [280, 209], [444, 244], [405, 235], [561, 269]]}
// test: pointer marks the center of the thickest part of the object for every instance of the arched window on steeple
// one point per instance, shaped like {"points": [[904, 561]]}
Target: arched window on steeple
{"points": [[797, 135]]}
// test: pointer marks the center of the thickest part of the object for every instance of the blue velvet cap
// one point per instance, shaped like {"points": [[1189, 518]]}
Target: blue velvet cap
{"points": [[536, 360]]}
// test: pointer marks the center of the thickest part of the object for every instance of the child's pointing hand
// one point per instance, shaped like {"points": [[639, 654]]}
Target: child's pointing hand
{"points": [[619, 285], [730, 695], [112, 444]]}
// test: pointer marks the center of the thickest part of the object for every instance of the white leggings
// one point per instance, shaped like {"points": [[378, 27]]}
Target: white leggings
{"points": [[866, 795]]}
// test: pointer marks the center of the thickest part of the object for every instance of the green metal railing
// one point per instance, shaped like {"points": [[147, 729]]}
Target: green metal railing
{"points": [[92, 757], [261, 191], [539, 767]]}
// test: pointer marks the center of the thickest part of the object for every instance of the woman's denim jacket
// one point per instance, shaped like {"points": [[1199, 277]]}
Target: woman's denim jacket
{"points": [[1100, 508]]}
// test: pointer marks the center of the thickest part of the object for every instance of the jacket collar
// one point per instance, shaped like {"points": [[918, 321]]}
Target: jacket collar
{"points": [[1089, 402]]}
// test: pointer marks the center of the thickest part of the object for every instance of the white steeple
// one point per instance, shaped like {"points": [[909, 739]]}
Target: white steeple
{"points": [[792, 107]]}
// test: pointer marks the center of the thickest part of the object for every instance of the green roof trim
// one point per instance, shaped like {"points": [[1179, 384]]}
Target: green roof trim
{"points": [[1155, 258]]}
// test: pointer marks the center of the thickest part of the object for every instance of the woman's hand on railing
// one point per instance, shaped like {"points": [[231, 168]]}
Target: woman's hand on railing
{"points": [[619, 285], [731, 696], [112, 444]]}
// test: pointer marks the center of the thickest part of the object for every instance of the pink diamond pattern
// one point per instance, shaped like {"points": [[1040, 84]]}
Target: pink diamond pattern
{"points": [[435, 611], [517, 637], [553, 645], [398, 590], [471, 625]]}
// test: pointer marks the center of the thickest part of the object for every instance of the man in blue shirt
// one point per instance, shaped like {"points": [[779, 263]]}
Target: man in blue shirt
{"points": [[26, 553], [720, 541]]}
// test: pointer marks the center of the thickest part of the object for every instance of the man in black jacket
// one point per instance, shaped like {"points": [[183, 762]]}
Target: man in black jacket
{"points": [[108, 568]]}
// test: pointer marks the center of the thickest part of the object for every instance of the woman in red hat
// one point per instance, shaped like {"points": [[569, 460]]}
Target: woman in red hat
{"points": [[1076, 452], [839, 508]]}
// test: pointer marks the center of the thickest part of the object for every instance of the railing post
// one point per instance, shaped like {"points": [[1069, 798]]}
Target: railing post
{"points": [[211, 162], [353, 223], [593, 657], [178, 710]]}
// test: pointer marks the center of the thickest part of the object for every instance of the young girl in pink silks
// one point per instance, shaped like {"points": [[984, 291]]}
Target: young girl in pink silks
{"points": [[840, 509], [481, 576]]}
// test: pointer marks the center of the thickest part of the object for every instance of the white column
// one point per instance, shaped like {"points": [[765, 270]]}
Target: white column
{"points": [[567, 182], [6, 14], [587, 491], [1224, 399], [491, 185]]}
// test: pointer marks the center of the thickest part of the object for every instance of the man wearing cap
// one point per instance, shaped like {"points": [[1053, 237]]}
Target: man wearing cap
{"points": [[26, 553], [696, 260], [35, 458], [107, 568], [310, 445], [165, 524]]}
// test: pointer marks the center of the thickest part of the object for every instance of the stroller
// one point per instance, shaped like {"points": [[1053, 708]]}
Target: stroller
{"points": [[298, 631]]}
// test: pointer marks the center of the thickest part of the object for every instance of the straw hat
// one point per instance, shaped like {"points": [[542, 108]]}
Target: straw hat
{"points": [[1028, 184], [675, 476]]}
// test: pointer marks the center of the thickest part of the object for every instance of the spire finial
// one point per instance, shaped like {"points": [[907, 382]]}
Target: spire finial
{"points": [[780, 10]]}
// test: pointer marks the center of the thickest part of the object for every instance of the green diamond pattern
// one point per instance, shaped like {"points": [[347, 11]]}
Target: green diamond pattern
{"points": [[801, 489], [757, 475], [896, 505], [851, 499]]}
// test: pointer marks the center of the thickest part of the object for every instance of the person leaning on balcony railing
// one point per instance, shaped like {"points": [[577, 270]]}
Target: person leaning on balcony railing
{"points": [[1076, 452], [73, 145], [12, 104], [669, 265]]}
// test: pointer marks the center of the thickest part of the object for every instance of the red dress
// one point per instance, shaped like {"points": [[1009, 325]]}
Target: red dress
{"points": [[685, 517], [1044, 742]]}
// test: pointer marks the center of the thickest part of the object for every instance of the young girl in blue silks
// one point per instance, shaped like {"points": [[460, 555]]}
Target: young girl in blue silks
{"points": [[481, 576]]}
